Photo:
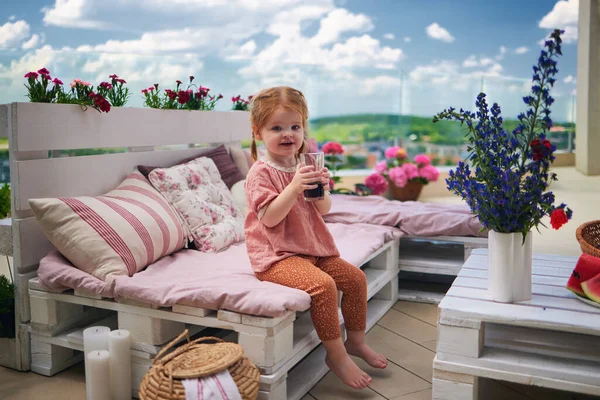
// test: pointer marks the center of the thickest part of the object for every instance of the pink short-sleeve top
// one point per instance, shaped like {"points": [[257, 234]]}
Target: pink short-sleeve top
{"points": [[301, 232]]}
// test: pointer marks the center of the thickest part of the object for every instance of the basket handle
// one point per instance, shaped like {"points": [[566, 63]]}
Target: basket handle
{"points": [[207, 338], [172, 343]]}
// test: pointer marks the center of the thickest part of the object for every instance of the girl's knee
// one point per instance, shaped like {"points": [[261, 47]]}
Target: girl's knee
{"points": [[325, 284], [359, 277]]}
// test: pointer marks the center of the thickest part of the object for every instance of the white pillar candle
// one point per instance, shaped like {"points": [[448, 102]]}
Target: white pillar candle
{"points": [[119, 347], [94, 338], [98, 367]]}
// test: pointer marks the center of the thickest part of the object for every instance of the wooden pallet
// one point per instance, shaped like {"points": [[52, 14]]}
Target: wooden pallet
{"points": [[549, 341], [281, 347], [426, 262]]}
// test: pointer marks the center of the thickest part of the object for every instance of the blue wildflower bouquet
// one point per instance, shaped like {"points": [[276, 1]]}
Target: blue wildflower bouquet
{"points": [[508, 190]]}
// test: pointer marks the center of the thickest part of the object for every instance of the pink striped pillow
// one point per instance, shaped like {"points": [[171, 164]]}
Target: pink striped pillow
{"points": [[118, 233]]}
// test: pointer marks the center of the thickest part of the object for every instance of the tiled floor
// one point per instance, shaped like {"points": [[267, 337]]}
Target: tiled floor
{"points": [[406, 334]]}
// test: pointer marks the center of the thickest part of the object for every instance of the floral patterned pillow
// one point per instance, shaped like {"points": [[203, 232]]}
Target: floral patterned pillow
{"points": [[196, 191]]}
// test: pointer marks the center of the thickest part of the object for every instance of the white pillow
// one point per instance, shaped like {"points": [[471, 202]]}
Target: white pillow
{"points": [[195, 189], [239, 196]]}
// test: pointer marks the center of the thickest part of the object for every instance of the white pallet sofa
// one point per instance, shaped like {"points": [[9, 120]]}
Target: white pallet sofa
{"points": [[50, 325]]}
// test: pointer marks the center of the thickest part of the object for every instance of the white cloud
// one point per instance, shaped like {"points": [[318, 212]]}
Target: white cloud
{"points": [[435, 31], [570, 79], [521, 50], [502, 52], [389, 36], [339, 21], [13, 33], [72, 14], [12, 18], [472, 61], [447, 71], [434, 70], [565, 12], [292, 49], [380, 83], [33, 42], [407, 39], [243, 52], [564, 15]]}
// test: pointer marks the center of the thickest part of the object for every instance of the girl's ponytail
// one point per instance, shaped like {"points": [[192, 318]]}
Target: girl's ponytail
{"points": [[253, 150]]}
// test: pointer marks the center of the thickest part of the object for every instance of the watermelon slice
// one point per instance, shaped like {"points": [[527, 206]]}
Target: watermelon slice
{"points": [[587, 267], [591, 287]]}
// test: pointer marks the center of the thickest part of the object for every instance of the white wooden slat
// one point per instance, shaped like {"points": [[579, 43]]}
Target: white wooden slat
{"points": [[84, 176], [539, 267], [542, 341], [559, 281], [529, 369], [536, 270], [31, 242], [60, 126], [569, 303], [535, 288], [538, 256], [521, 315]]}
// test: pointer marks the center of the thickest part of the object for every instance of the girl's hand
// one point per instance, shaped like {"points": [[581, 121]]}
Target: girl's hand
{"points": [[325, 178], [305, 179]]}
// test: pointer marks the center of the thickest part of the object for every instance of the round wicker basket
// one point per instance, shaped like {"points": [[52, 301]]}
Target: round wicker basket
{"points": [[196, 359], [588, 236]]}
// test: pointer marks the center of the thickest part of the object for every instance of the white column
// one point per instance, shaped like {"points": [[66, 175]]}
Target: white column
{"points": [[588, 88]]}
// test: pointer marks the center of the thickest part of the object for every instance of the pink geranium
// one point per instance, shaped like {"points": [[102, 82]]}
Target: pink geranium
{"points": [[377, 183], [381, 167], [333, 148], [391, 152], [422, 160], [430, 173], [411, 171], [398, 176]]}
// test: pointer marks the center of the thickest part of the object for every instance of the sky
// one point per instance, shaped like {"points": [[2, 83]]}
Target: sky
{"points": [[347, 56]]}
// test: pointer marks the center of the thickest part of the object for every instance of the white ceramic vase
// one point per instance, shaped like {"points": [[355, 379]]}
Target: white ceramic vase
{"points": [[509, 267]]}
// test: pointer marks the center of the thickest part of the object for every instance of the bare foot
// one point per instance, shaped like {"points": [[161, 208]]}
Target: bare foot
{"points": [[349, 372], [363, 351]]}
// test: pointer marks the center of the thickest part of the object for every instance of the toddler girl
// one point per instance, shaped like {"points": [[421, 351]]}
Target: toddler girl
{"points": [[288, 242]]}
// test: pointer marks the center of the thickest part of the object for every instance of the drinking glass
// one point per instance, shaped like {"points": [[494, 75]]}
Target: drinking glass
{"points": [[317, 160]]}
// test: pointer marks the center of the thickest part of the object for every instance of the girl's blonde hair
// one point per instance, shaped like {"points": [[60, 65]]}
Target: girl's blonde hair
{"points": [[264, 104]]}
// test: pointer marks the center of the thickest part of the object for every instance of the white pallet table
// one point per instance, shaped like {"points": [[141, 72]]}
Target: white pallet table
{"points": [[549, 341]]}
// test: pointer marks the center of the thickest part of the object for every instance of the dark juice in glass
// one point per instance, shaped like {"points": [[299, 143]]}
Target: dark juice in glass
{"points": [[317, 193]]}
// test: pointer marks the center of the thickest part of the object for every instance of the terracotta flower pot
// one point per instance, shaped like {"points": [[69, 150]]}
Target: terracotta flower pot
{"points": [[409, 192]]}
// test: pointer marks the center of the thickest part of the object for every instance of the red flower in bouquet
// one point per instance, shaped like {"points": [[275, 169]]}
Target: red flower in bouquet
{"points": [[333, 148], [541, 149], [558, 218]]}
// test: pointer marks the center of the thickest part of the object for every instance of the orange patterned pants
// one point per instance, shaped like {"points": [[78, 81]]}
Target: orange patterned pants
{"points": [[321, 278]]}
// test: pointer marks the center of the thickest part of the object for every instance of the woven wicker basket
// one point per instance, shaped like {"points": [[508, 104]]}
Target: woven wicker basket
{"points": [[196, 359], [588, 236]]}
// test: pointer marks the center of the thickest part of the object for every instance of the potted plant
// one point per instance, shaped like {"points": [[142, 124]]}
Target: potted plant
{"points": [[505, 178], [41, 88], [405, 179], [7, 308]]}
